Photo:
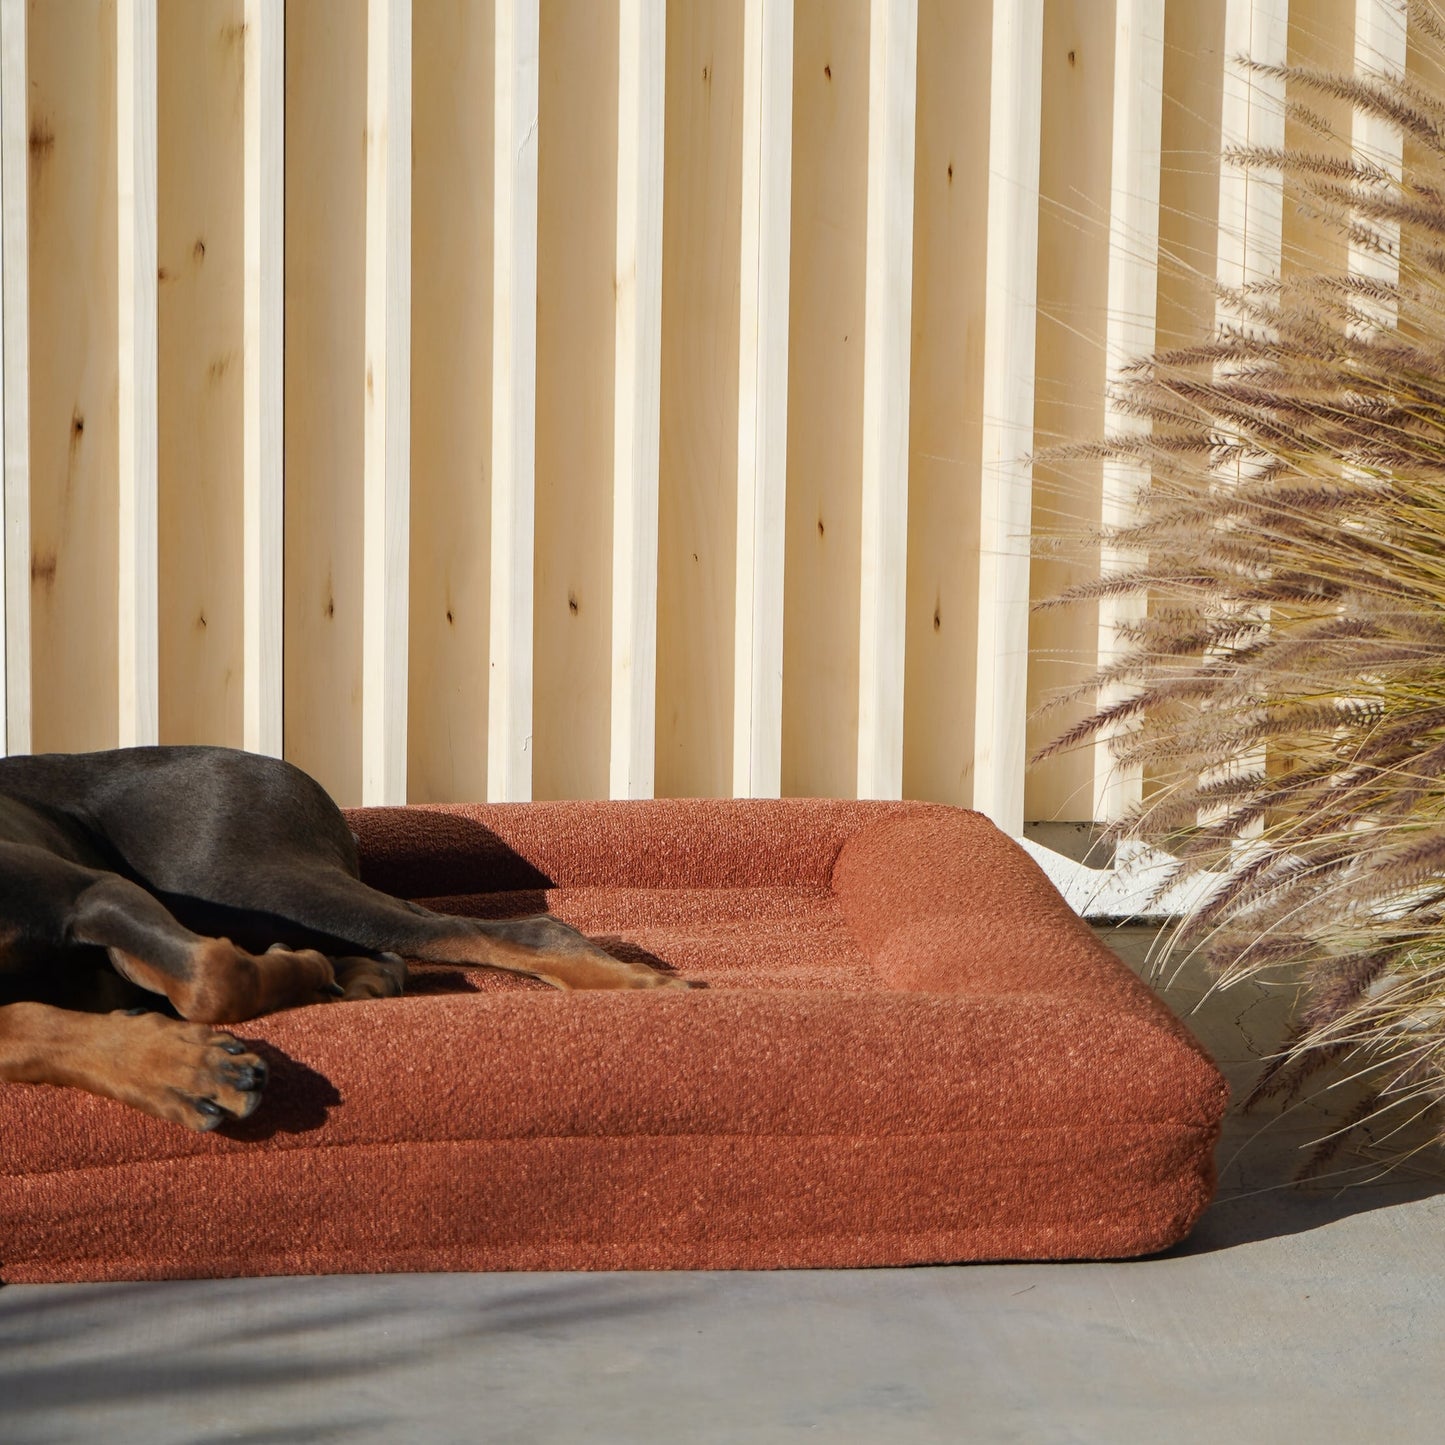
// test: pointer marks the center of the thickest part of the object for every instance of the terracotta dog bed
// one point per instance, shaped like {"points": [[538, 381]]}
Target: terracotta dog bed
{"points": [[910, 1050]]}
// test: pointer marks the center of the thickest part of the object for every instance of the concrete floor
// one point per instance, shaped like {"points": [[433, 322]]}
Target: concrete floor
{"points": [[1288, 1316]]}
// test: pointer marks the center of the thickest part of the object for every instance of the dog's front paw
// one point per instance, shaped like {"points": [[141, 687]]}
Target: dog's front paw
{"points": [[188, 1073]]}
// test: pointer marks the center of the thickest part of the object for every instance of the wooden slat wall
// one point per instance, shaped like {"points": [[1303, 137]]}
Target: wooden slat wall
{"points": [[665, 430], [514, 400], [945, 482], [201, 63], [697, 477], [765, 231], [451, 400], [1075, 189], [1000, 701], [1129, 328], [15, 385], [823, 551], [887, 320], [263, 365], [386, 444], [577, 301], [74, 371], [138, 563], [637, 395], [325, 364]]}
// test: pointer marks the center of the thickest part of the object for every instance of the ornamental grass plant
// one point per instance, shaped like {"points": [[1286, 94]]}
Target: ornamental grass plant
{"points": [[1284, 691]]}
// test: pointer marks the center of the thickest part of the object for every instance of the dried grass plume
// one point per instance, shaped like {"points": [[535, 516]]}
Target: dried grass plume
{"points": [[1285, 693]]}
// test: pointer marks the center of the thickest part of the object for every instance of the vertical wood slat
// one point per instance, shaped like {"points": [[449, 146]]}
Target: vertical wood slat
{"points": [[1070, 380], [451, 426], [1251, 204], [514, 402], [1008, 409], [577, 313], [387, 408], [200, 329], [1381, 44], [138, 664], [324, 393], [697, 501], [641, 70], [767, 180], [1129, 333], [15, 383], [887, 346], [263, 362], [828, 241]]}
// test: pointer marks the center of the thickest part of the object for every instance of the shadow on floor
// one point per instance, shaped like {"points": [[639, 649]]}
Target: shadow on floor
{"points": [[244, 1341], [1262, 1153], [1296, 1209]]}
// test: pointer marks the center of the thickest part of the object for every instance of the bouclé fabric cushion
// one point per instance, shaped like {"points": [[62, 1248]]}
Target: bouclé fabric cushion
{"points": [[909, 1050]]}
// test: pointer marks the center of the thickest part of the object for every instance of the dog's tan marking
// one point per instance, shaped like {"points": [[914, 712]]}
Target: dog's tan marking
{"points": [[187, 1073], [223, 984], [383, 977], [548, 949]]}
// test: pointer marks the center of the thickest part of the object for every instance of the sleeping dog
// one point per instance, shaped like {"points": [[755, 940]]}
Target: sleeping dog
{"points": [[225, 882]]}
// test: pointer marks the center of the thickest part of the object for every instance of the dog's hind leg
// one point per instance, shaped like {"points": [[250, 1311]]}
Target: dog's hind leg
{"points": [[206, 979], [185, 1072], [50, 905], [337, 906]]}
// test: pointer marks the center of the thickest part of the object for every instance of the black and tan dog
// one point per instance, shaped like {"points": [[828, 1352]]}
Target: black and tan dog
{"points": [[226, 882]]}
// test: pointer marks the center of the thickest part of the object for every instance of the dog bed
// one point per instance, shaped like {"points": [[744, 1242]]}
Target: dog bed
{"points": [[909, 1050]]}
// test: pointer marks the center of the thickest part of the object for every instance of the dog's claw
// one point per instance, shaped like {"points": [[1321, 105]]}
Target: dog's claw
{"points": [[335, 990]]}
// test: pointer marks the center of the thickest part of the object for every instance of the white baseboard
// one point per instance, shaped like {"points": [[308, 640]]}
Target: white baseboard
{"points": [[1125, 890]]}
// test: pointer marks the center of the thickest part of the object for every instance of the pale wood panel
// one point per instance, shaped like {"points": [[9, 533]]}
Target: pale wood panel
{"points": [[576, 358], [1000, 701], [201, 265], [514, 401], [1424, 67], [1075, 172], [1189, 169], [892, 103], [1131, 300], [950, 245], [73, 376], [1189, 177], [641, 75], [825, 398], [764, 230], [697, 510], [386, 436], [1321, 35], [451, 401], [15, 358], [1251, 203], [263, 362], [325, 371], [138, 661], [1381, 44]]}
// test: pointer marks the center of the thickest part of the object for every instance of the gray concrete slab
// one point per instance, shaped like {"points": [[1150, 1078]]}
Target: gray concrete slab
{"points": [[1288, 1316]]}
